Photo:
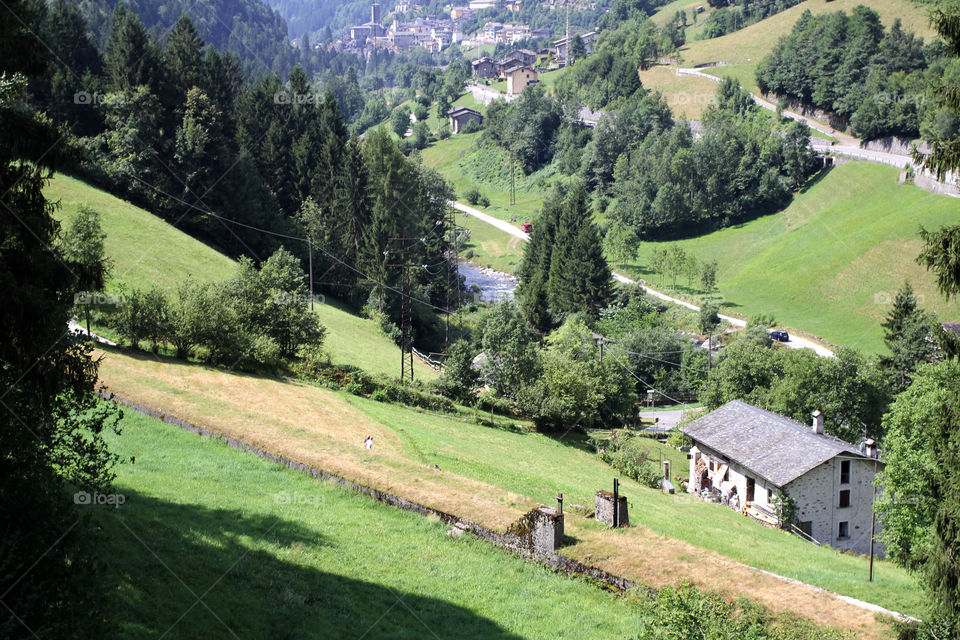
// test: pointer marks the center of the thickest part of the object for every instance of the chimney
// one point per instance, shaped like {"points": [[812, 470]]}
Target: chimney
{"points": [[666, 469], [871, 448], [375, 13], [818, 422]]}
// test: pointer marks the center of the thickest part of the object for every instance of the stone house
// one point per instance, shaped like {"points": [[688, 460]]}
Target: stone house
{"points": [[561, 46], [745, 455], [519, 79], [523, 56], [460, 116], [484, 67]]}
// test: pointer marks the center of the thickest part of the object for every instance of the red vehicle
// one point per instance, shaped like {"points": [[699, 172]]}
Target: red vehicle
{"points": [[526, 227]]}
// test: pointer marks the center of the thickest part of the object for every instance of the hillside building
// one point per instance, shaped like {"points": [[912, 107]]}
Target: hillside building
{"points": [[519, 79], [460, 116], [744, 456], [562, 45], [485, 67], [369, 30]]}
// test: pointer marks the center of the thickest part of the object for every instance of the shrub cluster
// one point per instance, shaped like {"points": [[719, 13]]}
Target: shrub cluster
{"points": [[257, 319]]}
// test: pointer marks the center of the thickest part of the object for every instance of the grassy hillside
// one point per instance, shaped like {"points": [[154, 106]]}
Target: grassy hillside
{"points": [[493, 475], [831, 261], [147, 251], [266, 549], [744, 49], [466, 165]]}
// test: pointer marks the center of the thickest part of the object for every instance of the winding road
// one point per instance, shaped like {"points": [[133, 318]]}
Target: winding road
{"points": [[794, 343]]}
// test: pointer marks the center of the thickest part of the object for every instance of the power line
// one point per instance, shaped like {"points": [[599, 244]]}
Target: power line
{"points": [[649, 386], [289, 237], [676, 364]]}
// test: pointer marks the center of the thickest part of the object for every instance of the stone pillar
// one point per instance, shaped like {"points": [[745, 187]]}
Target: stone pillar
{"points": [[604, 509], [547, 529]]}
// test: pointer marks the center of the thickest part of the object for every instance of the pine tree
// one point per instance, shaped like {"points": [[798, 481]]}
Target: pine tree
{"points": [[907, 330], [132, 59], [184, 57], [51, 425], [534, 271], [579, 274]]}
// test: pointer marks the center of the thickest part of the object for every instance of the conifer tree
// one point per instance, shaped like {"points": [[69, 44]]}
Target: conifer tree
{"points": [[184, 58], [132, 59], [534, 271], [579, 274]]}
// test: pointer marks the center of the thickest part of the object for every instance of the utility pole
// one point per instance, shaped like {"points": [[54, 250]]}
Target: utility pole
{"points": [[513, 179], [406, 303], [569, 53], [310, 242], [454, 290], [873, 521]]}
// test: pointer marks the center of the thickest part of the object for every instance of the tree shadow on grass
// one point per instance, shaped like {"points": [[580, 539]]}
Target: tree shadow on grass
{"points": [[187, 571], [817, 177]]}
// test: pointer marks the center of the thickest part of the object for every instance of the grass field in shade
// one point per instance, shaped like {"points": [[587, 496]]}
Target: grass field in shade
{"points": [[831, 262], [211, 542]]}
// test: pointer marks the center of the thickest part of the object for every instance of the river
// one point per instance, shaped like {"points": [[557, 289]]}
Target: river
{"points": [[494, 285]]}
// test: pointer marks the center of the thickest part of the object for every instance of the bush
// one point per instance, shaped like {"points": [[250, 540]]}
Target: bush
{"points": [[420, 112], [473, 196], [472, 126], [354, 388], [380, 395], [764, 320], [623, 455]]}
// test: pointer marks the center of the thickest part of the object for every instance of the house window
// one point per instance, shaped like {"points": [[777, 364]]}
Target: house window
{"points": [[844, 530], [845, 472], [845, 498]]}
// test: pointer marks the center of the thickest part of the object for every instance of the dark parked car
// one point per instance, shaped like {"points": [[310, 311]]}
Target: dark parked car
{"points": [[780, 336]]}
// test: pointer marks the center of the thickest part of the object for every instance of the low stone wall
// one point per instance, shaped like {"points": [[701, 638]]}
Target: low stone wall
{"points": [[928, 183], [535, 537], [900, 146]]}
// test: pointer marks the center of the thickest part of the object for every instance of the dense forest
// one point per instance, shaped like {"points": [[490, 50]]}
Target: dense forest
{"points": [[878, 81], [177, 128], [248, 28], [664, 180]]}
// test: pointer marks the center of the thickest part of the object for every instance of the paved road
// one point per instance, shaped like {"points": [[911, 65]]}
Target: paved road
{"points": [[667, 420], [486, 95], [846, 145], [503, 225], [74, 327]]}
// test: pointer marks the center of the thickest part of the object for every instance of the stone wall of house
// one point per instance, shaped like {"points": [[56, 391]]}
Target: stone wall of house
{"points": [[763, 490], [817, 496]]}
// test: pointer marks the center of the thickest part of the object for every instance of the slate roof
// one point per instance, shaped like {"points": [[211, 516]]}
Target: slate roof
{"points": [[772, 446], [461, 110], [953, 327]]}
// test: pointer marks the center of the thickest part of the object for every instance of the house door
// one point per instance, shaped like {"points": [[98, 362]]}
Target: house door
{"points": [[751, 485]]}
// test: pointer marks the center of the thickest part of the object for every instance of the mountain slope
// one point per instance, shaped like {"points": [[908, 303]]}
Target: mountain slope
{"points": [[147, 251], [831, 262]]}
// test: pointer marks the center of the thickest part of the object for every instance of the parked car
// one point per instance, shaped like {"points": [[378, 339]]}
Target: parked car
{"points": [[526, 227], [780, 336]]}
